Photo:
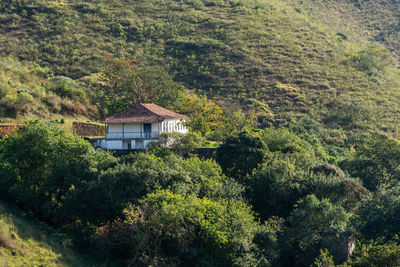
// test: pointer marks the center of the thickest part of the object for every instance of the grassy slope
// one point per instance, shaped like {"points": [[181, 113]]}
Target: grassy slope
{"points": [[252, 52], [36, 99], [24, 243], [376, 21]]}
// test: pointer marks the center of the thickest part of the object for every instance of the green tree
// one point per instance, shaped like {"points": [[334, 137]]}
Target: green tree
{"points": [[171, 229], [324, 259], [376, 163], [40, 163], [387, 255], [278, 184], [379, 216], [314, 225], [275, 187], [205, 116], [283, 141], [240, 155], [141, 174], [179, 143], [126, 83], [234, 121]]}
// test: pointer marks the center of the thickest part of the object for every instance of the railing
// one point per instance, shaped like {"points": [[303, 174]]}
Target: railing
{"points": [[132, 135]]}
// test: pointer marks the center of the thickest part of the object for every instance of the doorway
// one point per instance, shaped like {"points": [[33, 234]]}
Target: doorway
{"points": [[147, 130]]}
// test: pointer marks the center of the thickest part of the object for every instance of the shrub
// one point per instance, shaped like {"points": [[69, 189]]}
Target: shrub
{"points": [[314, 225], [40, 163], [173, 229], [387, 255], [378, 216], [240, 155], [376, 163], [371, 60], [275, 187], [278, 184], [53, 102], [179, 143], [140, 174], [347, 115], [66, 88], [8, 105]]}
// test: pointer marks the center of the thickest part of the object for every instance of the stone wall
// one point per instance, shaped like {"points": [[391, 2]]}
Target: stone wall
{"points": [[88, 129]]}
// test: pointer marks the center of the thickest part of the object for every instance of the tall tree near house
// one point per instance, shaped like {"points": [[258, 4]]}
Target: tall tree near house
{"points": [[205, 116], [129, 82]]}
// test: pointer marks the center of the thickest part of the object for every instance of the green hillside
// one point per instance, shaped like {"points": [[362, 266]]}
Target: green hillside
{"points": [[30, 91], [254, 53], [361, 21], [25, 243]]}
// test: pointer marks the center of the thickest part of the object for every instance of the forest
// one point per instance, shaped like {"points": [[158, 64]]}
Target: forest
{"points": [[299, 100], [271, 197]]}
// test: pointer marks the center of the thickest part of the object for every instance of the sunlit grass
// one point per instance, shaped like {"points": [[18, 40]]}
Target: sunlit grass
{"points": [[24, 243]]}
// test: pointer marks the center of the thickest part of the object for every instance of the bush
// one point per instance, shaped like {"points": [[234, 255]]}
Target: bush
{"points": [[282, 140], [376, 163], [240, 155], [169, 229], [66, 88], [347, 115], [274, 188], [278, 184], [378, 216], [179, 143], [40, 163], [314, 225], [387, 255], [371, 60], [53, 102], [8, 106], [141, 174]]}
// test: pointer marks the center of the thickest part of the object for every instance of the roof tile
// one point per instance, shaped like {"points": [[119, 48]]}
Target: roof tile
{"points": [[143, 113]]}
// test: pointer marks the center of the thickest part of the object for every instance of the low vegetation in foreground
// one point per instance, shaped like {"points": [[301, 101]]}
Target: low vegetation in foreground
{"points": [[26, 242], [272, 197]]}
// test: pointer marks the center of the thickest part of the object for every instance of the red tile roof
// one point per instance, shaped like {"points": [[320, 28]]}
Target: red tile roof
{"points": [[144, 113]]}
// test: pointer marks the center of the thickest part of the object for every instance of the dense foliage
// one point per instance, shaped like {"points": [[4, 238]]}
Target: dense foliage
{"points": [[156, 208]]}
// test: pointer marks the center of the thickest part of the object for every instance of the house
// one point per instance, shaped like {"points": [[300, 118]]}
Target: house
{"points": [[136, 127]]}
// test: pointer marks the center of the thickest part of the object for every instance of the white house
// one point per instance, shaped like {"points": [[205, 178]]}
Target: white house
{"points": [[136, 127]]}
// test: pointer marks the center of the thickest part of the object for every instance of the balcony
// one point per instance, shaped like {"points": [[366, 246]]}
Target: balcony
{"points": [[132, 135]]}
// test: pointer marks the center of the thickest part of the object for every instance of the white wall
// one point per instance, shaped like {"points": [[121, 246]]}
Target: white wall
{"points": [[155, 128], [174, 125], [108, 144], [133, 130], [138, 144], [114, 131], [118, 145]]}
